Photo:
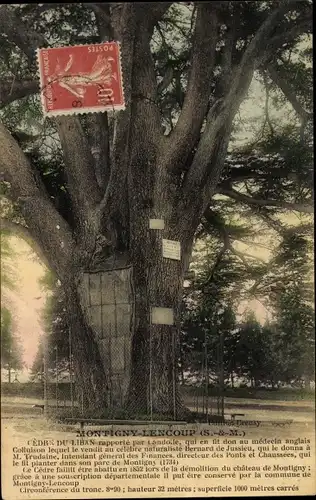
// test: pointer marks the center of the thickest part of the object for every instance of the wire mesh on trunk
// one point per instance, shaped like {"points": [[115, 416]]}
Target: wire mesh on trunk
{"points": [[110, 304]]}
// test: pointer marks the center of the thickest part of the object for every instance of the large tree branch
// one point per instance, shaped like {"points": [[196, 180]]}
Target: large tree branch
{"points": [[132, 24], [16, 89], [248, 200], [244, 173], [221, 114], [226, 59], [301, 27], [186, 132], [45, 223], [277, 75], [114, 200], [206, 174], [79, 167], [26, 39], [98, 123], [144, 91], [255, 51]]}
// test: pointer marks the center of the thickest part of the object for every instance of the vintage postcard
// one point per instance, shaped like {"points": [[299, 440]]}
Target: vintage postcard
{"points": [[157, 281]]}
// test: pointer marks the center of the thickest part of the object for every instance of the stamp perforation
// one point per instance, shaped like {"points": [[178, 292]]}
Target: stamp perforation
{"points": [[66, 82]]}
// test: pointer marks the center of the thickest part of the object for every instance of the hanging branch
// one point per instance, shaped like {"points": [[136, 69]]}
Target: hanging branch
{"points": [[266, 107], [277, 75], [235, 195]]}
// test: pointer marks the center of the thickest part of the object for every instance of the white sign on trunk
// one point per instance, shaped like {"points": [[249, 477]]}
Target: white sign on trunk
{"points": [[162, 316], [156, 224], [171, 249]]}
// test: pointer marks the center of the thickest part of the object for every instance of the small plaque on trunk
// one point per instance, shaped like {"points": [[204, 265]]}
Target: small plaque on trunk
{"points": [[162, 316], [156, 224], [171, 249]]}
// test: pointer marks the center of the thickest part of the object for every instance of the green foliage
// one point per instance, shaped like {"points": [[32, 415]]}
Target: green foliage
{"points": [[289, 269], [278, 166]]}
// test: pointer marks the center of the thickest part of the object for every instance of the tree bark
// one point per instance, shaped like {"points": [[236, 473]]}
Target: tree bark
{"points": [[154, 346]]}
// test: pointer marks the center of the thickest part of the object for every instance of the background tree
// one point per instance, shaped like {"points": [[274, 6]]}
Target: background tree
{"points": [[208, 319], [252, 351], [292, 298], [182, 99], [11, 349]]}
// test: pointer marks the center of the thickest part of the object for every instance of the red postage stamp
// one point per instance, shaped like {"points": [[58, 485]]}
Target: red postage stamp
{"points": [[81, 79]]}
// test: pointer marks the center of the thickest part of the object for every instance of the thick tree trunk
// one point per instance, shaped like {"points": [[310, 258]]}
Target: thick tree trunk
{"points": [[158, 283], [121, 359], [153, 385]]}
